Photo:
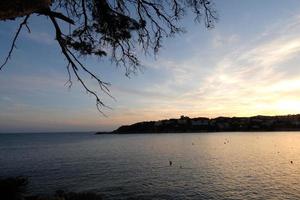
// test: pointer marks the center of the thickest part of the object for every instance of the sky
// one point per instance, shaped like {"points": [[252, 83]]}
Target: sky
{"points": [[247, 65]]}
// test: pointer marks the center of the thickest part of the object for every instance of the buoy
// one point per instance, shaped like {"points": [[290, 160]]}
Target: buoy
{"points": [[170, 162]]}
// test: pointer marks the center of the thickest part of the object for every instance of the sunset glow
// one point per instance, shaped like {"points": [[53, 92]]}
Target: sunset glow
{"points": [[247, 65]]}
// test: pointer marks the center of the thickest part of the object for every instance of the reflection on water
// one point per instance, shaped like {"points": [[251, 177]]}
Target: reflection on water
{"points": [[204, 165]]}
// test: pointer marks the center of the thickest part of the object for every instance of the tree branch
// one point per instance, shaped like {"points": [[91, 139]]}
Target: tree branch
{"points": [[70, 56], [48, 12], [13, 45]]}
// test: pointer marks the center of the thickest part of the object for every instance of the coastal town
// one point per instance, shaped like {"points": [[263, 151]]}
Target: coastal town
{"points": [[220, 124]]}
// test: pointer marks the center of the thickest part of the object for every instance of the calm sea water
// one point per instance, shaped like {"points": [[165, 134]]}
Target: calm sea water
{"points": [[205, 165]]}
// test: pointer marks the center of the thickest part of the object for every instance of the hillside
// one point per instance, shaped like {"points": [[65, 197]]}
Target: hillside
{"points": [[219, 124]]}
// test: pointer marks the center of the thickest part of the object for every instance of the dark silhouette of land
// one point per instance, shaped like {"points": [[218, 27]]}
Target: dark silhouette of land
{"points": [[15, 188], [220, 124]]}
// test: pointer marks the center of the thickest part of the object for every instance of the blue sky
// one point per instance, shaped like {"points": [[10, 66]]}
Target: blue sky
{"points": [[247, 65]]}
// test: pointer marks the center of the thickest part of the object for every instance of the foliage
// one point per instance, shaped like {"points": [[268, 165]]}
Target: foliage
{"points": [[13, 188], [118, 29]]}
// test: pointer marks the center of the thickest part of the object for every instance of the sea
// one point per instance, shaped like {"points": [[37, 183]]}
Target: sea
{"points": [[229, 165]]}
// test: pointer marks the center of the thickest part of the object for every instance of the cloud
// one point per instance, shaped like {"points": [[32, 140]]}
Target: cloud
{"points": [[41, 37], [33, 82], [253, 79], [219, 41], [5, 98], [257, 77], [146, 93], [227, 75]]}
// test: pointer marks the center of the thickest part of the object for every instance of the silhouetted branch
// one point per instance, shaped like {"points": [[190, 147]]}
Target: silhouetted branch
{"points": [[72, 60], [13, 45], [114, 29], [48, 12]]}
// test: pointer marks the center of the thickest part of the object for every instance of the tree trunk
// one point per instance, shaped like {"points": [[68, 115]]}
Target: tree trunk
{"points": [[10, 9]]}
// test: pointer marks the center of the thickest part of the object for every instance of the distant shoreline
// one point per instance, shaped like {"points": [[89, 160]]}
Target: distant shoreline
{"points": [[185, 124], [133, 133]]}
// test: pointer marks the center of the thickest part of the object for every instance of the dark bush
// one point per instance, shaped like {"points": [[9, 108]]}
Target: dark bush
{"points": [[13, 188]]}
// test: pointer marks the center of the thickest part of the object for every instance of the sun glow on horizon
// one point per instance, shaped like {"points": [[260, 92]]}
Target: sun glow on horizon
{"points": [[231, 70]]}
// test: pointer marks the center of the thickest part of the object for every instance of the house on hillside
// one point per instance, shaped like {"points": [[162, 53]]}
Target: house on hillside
{"points": [[183, 120], [200, 121]]}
